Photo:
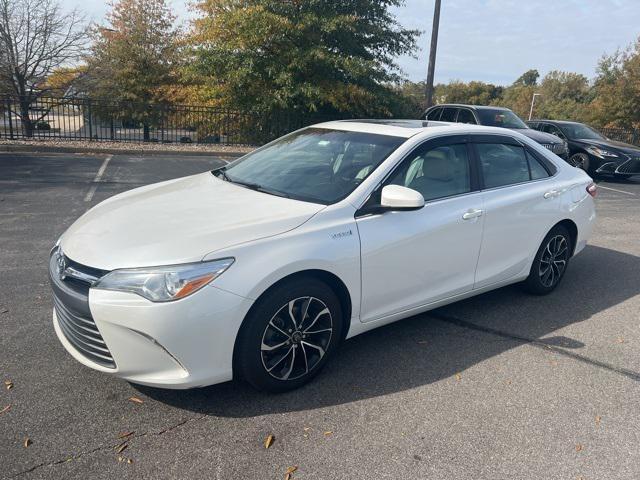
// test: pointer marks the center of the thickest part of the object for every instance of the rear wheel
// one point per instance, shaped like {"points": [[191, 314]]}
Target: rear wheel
{"points": [[550, 263], [289, 335]]}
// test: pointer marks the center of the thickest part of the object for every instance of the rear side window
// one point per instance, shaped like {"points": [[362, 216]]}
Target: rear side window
{"points": [[537, 169], [466, 116], [434, 114], [448, 114], [502, 164]]}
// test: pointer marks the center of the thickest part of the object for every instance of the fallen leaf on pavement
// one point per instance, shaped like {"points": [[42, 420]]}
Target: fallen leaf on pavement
{"points": [[8, 384], [268, 441], [129, 460], [5, 409], [125, 434], [458, 377], [579, 447], [121, 448], [328, 432], [289, 473], [598, 418], [136, 400], [27, 442]]}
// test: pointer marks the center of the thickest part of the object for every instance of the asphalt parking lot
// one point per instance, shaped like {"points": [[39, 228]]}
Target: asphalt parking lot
{"points": [[501, 386]]}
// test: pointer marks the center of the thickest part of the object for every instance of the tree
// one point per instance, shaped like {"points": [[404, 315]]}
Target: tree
{"points": [[134, 59], [528, 78], [36, 38], [564, 95], [301, 56], [617, 89]]}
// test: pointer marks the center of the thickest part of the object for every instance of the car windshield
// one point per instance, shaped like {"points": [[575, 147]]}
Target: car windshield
{"points": [[314, 164], [579, 130], [500, 118]]}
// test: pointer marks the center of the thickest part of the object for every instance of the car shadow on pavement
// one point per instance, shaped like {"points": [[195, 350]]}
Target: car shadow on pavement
{"points": [[427, 348]]}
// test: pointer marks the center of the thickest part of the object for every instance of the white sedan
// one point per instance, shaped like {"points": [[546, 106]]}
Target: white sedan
{"points": [[259, 269]]}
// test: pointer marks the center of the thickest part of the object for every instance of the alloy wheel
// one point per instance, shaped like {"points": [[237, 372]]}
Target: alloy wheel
{"points": [[579, 160], [553, 261], [296, 338]]}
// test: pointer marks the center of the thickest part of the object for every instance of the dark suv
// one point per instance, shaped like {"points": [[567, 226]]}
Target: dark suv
{"points": [[495, 117], [592, 151]]}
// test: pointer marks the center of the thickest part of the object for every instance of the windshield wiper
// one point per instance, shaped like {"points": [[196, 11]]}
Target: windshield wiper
{"points": [[221, 173]]}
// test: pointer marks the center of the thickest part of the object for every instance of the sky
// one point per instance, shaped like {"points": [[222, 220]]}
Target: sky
{"points": [[497, 40]]}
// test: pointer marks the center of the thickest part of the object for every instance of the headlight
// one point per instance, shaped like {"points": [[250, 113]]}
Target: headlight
{"points": [[599, 152], [164, 284]]}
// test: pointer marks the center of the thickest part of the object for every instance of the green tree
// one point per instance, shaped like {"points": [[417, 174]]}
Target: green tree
{"points": [[308, 56], [565, 95], [617, 89], [134, 58], [528, 78]]}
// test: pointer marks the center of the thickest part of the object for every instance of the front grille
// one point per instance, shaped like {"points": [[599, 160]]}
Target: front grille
{"points": [[71, 303], [631, 166]]}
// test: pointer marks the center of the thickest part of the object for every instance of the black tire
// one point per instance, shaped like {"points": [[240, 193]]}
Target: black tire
{"points": [[550, 263], [581, 161], [263, 337]]}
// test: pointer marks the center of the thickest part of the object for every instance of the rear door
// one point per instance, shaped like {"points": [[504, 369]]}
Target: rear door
{"points": [[519, 202]]}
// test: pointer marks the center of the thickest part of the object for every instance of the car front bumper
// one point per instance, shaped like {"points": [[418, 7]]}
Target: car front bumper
{"points": [[183, 344], [629, 166]]}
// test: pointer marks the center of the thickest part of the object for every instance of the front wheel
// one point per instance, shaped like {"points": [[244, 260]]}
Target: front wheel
{"points": [[581, 161], [289, 335], [550, 263]]}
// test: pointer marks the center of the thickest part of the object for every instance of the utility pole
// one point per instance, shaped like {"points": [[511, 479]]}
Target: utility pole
{"points": [[432, 54]]}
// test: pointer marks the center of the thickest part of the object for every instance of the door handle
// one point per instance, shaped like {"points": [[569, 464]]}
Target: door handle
{"points": [[551, 194], [472, 213]]}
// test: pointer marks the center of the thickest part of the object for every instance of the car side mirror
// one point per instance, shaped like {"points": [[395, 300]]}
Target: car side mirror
{"points": [[396, 197]]}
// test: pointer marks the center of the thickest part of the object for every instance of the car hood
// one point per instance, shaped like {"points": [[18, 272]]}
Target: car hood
{"points": [[611, 144], [540, 137], [178, 221]]}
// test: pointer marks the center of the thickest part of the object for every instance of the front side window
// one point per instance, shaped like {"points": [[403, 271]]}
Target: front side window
{"points": [[435, 172], [466, 116], [314, 164], [502, 164]]}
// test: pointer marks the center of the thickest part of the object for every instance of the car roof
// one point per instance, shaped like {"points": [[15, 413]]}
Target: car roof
{"points": [[473, 107], [409, 128]]}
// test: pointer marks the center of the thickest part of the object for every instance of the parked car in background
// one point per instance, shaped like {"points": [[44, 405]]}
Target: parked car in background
{"points": [[259, 269], [495, 117], [590, 150]]}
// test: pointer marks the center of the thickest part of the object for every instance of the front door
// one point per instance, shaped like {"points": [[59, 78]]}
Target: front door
{"points": [[413, 258]]}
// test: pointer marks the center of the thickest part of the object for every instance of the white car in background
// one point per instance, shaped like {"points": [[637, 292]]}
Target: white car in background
{"points": [[258, 270]]}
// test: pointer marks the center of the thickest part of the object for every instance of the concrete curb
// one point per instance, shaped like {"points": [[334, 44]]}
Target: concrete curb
{"points": [[10, 148]]}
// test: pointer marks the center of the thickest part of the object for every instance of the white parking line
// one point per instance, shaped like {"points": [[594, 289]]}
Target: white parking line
{"points": [[616, 190], [94, 186]]}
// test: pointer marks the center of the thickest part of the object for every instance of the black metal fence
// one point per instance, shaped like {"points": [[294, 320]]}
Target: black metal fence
{"points": [[622, 135], [99, 120]]}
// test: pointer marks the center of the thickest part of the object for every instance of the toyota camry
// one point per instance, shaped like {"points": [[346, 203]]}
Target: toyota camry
{"points": [[259, 270]]}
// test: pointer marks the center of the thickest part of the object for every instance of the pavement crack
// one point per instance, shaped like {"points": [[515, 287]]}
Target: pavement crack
{"points": [[112, 446], [537, 344]]}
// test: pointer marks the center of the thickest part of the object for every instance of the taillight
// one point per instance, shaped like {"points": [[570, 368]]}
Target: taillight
{"points": [[592, 189]]}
